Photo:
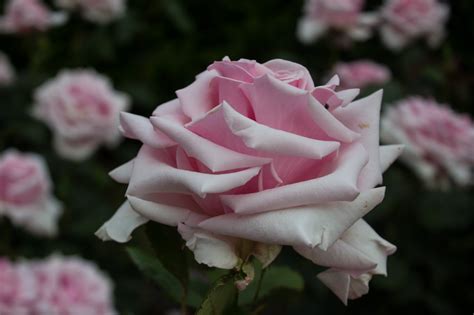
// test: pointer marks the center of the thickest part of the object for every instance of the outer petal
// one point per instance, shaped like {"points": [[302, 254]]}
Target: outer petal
{"points": [[316, 225], [388, 155], [363, 117], [73, 150], [121, 225], [123, 173], [284, 107], [360, 249], [197, 98], [140, 128], [152, 175], [344, 285], [210, 249], [393, 39], [215, 157], [339, 185]]}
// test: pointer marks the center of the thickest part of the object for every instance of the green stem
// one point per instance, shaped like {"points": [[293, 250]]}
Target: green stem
{"points": [[259, 285]]}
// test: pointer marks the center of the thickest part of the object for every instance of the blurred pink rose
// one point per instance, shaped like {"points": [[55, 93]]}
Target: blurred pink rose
{"points": [[406, 20], [7, 73], [82, 109], [71, 285], [23, 16], [25, 193], [17, 289], [98, 11], [361, 73], [55, 286], [255, 152], [343, 15], [439, 143]]}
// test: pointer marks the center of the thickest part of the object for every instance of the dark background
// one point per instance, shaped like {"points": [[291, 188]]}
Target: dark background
{"points": [[157, 48]]}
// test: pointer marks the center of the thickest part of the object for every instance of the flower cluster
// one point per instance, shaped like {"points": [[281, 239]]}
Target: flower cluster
{"points": [[439, 143], [256, 153], [54, 286], [24, 16], [98, 11], [25, 193], [399, 21], [82, 109]]}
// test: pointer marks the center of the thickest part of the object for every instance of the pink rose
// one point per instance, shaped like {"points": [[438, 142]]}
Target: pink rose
{"points": [[71, 286], [98, 11], [361, 73], [18, 288], [407, 20], [255, 152], [7, 73], [23, 16], [55, 286], [82, 108], [342, 15], [25, 193], [439, 143]]}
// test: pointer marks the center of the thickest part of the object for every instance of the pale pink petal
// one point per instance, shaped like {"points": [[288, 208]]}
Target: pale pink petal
{"points": [[210, 249], [343, 285], [341, 185], [197, 98], [140, 128], [123, 173], [215, 157], [388, 155], [363, 117], [121, 225], [161, 212], [152, 175], [313, 225], [281, 66], [310, 31], [228, 90], [326, 121], [231, 70], [359, 249]]}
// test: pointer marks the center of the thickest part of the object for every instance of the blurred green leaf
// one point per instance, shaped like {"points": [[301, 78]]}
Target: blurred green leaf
{"points": [[154, 269], [221, 298], [168, 246]]}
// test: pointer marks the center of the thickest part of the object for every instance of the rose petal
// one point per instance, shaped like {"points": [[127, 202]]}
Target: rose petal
{"points": [[122, 173], [343, 285], [313, 225], [152, 175], [140, 128], [209, 249], [363, 117], [341, 185], [121, 225], [215, 157], [197, 98], [388, 155]]}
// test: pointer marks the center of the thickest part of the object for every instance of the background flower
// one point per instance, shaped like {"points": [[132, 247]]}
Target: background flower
{"points": [[361, 73], [7, 73], [23, 16], [98, 11], [439, 142], [406, 20], [81, 108], [25, 193], [346, 16], [57, 286]]}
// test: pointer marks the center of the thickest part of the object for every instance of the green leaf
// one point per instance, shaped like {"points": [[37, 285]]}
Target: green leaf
{"points": [[154, 269], [221, 298], [274, 278], [168, 246]]}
